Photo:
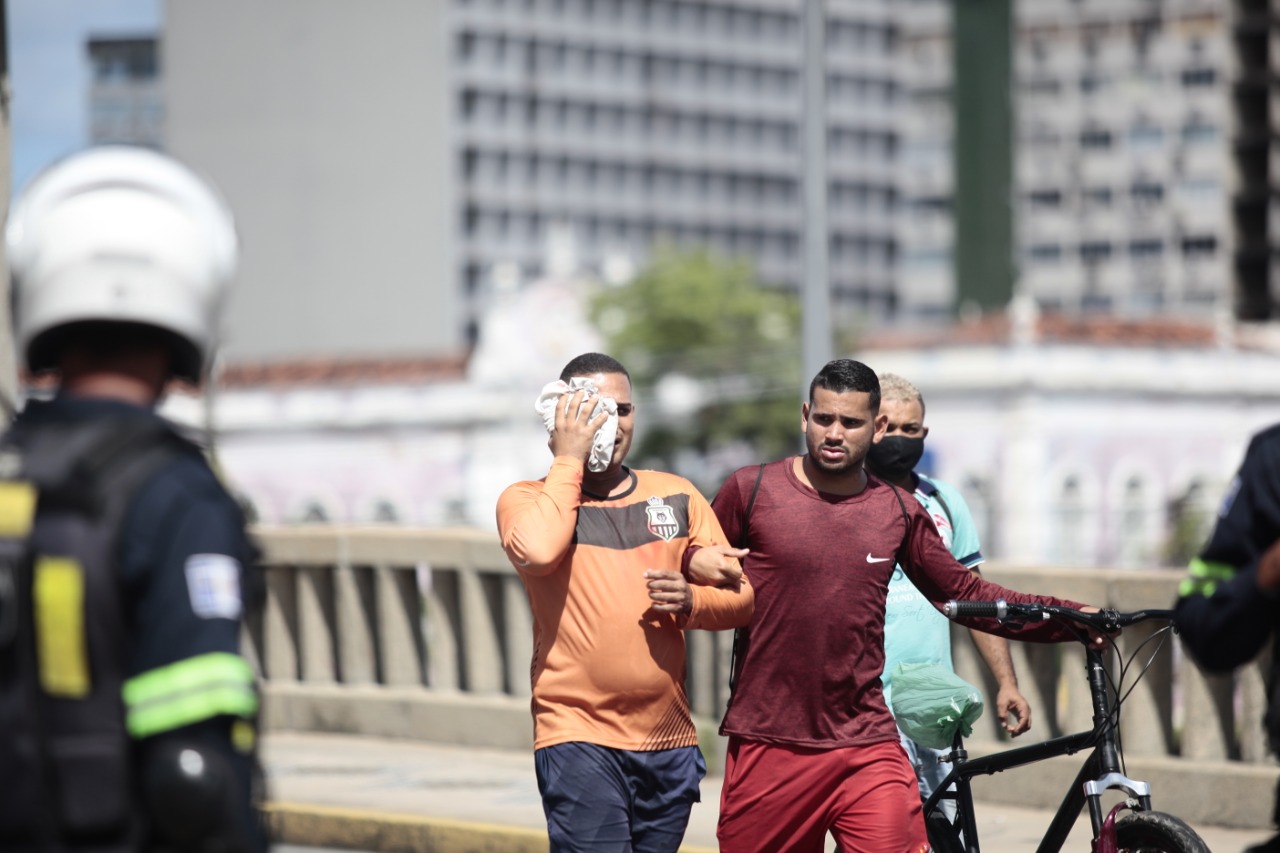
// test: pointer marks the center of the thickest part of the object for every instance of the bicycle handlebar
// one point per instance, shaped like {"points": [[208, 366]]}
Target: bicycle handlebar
{"points": [[1107, 620]]}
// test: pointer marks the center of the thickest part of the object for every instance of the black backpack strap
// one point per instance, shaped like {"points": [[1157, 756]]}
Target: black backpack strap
{"points": [[740, 635], [906, 520], [745, 538], [936, 494]]}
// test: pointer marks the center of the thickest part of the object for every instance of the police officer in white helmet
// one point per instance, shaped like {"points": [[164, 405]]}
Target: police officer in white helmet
{"points": [[125, 570]]}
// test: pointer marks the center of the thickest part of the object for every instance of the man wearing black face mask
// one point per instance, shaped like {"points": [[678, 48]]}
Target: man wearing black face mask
{"points": [[915, 632]]}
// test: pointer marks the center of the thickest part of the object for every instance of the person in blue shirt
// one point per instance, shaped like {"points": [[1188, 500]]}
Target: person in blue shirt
{"points": [[915, 632]]}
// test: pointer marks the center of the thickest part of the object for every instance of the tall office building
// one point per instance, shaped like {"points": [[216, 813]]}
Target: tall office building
{"points": [[1123, 179], [620, 123], [328, 125], [637, 121]]}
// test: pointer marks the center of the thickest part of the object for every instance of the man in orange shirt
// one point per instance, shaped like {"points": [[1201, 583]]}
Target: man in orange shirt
{"points": [[603, 556]]}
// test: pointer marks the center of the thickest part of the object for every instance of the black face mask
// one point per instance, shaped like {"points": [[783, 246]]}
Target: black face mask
{"points": [[895, 456]]}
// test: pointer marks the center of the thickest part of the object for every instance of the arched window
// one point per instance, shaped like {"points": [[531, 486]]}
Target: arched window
{"points": [[1133, 542], [1070, 547], [385, 512], [314, 513]]}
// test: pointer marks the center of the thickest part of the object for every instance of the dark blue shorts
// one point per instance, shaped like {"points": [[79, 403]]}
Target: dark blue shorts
{"points": [[602, 800]]}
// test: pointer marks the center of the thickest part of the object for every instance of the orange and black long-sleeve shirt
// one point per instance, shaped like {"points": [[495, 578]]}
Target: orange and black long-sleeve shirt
{"points": [[607, 668]]}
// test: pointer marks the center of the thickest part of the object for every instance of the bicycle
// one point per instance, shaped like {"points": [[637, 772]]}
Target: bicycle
{"points": [[1142, 830]]}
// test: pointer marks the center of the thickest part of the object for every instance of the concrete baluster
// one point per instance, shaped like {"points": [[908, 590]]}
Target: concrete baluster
{"points": [[1040, 676], [355, 617], [398, 634], [700, 665], [1206, 713], [249, 649], [315, 624], [442, 631], [1146, 719], [279, 625], [1251, 684], [1076, 706], [483, 652], [519, 635]]}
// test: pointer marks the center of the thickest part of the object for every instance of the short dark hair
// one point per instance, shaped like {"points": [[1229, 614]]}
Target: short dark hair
{"points": [[845, 374], [590, 363]]}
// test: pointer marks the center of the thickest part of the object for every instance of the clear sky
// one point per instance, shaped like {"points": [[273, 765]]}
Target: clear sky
{"points": [[49, 71]]}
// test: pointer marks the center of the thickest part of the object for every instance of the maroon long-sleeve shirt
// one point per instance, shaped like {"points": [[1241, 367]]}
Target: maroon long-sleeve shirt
{"points": [[820, 565]]}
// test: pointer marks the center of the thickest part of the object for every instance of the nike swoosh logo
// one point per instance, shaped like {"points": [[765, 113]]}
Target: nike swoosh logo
{"points": [[871, 559]]}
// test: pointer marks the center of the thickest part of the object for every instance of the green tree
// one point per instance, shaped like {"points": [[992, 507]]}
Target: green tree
{"points": [[714, 356]]}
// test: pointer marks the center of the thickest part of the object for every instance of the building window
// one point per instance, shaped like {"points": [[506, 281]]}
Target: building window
{"points": [[1146, 250], [1199, 132], [1045, 253], [314, 513], [1202, 246], [1193, 78], [466, 46], [1095, 251], [924, 259], [1092, 83], [1145, 136], [1146, 193], [1045, 198], [925, 205], [1095, 138], [1098, 196], [1200, 190], [1072, 521]]}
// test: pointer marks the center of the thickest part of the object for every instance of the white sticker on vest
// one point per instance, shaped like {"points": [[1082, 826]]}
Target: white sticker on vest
{"points": [[214, 583]]}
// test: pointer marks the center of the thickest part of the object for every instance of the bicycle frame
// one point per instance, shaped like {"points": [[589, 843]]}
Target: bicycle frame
{"points": [[1100, 772]]}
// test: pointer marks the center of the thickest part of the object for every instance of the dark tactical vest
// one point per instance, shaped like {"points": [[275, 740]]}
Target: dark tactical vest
{"points": [[65, 644]]}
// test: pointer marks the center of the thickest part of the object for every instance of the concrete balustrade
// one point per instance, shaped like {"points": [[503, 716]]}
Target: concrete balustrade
{"points": [[427, 634]]}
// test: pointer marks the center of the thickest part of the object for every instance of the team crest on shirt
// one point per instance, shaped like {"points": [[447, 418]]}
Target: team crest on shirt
{"points": [[662, 519]]}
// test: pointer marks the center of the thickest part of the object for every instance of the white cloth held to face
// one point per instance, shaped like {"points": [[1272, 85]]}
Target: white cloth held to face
{"points": [[602, 443]]}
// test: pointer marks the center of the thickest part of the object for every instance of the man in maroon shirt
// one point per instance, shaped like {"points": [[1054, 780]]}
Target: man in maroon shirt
{"points": [[812, 747]]}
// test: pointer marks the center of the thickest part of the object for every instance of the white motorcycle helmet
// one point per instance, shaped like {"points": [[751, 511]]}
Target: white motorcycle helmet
{"points": [[119, 234]]}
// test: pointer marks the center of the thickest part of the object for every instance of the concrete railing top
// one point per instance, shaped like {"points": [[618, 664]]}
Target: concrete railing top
{"points": [[321, 544], [479, 548]]}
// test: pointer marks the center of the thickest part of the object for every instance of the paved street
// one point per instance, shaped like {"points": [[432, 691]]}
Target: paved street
{"points": [[364, 780]]}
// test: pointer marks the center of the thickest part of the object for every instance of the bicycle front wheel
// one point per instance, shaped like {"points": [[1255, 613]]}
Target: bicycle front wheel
{"points": [[1156, 832]]}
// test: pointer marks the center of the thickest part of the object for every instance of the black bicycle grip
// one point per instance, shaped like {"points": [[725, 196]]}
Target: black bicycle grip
{"points": [[997, 609]]}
